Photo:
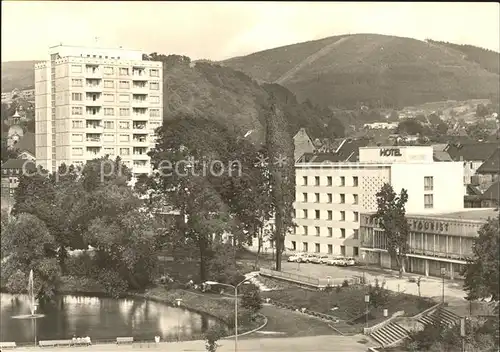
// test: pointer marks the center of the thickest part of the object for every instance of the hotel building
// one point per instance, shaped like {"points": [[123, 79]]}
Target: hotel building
{"points": [[331, 195], [435, 241], [92, 102]]}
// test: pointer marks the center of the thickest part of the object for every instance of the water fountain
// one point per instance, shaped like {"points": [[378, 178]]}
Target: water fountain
{"points": [[33, 305]]}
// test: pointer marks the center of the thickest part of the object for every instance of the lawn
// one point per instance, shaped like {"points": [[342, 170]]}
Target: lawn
{"points": [[350, 302]]}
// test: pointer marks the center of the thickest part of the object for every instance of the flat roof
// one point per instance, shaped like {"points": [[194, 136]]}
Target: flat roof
{"points": [[476, 214]]}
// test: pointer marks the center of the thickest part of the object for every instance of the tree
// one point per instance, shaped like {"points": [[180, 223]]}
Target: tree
{"points": [[442, 128], [391, 217], [410, 126], [481, 271], [394, 116], [280, 149], [477, 132], [481, 110], [213, 335], [251, 299]]}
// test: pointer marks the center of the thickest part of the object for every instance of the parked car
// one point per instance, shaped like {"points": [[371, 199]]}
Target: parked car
{"points": [[297, 257], [317, 258], [325, 259], [350, 261], [336, 261]]}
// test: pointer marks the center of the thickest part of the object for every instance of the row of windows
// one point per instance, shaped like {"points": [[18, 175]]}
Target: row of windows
{"points": [[77, 151], [317, 215], [122, 98], [107, 137], [329, 181], [110, 125], [317, 248], [329, 198], [317, 232], [78, 82], [109, 70], [78, 110]]}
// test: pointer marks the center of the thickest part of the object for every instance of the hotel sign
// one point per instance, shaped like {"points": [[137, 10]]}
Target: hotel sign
{"points": [[418, 225], [390, 152]]}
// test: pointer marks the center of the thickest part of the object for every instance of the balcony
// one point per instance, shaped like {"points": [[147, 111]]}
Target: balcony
{"points": [[92, 128], [93, 88], [139, 128], [93, 102], [140, 89], [438, 254], [140, 117], [139, 75], [95, 74], [136, 103]]}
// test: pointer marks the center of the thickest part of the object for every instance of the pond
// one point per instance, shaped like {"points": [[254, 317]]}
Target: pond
{"points": [[99, 318]]}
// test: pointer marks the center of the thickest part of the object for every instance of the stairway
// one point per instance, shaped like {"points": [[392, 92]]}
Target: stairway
{"points": [[447, 317], [389, 334], [254, 279]]}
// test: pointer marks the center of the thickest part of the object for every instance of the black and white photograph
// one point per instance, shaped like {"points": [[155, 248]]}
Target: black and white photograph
{"points": [[250, 176]]}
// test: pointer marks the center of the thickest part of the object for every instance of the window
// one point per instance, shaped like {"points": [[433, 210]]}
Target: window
{"points": [[124, 112], [294, 246], [330, 197], [304, 213], [77, 137], [76, 96], [124, 125], [304, 246], [355, 181], [124, 71], [329, 180], [316, 214], [154, 99], [330, 232], [124, 98], [109, 111], [304, 180], [109, 137], [304, 196], [355, 234], [316, 197], [77, 124], [109, 97], [342, 233], [330, 215], [108, 70], [342, 215], [355, 251], [124, 85], [305, 230], [330, 249], [342, 250], [109, 125], [76, 82], [77, 110], [342, 198], [354, 199], [317, 230], [342, 180], [154, 112], [316, 180], [317, 247], [154, 85], [356, 216], [77, 151], [124, 138], [154, 72], [428, 201], [109, 84], [76, 68], [109, 151], [124, 151], [428, 183]]}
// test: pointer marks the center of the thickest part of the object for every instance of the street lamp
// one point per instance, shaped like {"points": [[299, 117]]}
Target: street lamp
{"points": [[235, 305], [367, 301], [443, 273], [178, 302], [363, 255], [35, 306], [328, 278]]}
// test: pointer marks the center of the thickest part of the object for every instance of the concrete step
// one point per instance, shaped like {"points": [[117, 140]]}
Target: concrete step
{"points": [[389, 334]]}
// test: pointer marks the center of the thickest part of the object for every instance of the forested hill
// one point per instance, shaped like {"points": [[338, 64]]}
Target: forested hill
{"points": [[374, 70], [207, 90]]}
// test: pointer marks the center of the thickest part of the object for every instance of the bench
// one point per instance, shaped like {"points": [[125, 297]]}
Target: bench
{"points": [[128, 339], [7, 345], [55, 343]]}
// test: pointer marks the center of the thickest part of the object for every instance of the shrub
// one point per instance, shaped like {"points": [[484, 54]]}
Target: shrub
{"points": [[213, 335], [379, 295], [251, 299], [338, 289], [345, 283]]}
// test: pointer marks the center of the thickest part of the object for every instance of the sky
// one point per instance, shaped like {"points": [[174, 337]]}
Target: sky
{"points": [[220, 30]]}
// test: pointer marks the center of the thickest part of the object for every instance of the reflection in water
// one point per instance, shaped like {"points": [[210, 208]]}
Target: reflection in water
{"points": [[99, 318]]}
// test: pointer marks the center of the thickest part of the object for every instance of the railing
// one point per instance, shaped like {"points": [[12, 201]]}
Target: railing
{"points": [[371, 330], [308, 280]]}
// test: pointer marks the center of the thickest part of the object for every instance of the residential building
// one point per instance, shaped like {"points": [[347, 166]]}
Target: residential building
{"points": [[12, 169], [435, 241], [92, 102], [331, 195]]}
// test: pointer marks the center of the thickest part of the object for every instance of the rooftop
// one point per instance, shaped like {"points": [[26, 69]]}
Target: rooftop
{"points": [[473, 214]]}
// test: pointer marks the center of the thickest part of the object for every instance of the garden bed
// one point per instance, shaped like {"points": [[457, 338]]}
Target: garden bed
{"points": [[350, 302]]}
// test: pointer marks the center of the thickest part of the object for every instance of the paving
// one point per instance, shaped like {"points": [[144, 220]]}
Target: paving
{"points": [[295, 344]]}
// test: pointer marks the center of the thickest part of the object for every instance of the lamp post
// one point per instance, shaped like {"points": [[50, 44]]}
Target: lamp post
{"points": [[443, 273], [363, 255], [328, 278], [34, 319], [178, 302], [367, 301], [235, 287]]}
